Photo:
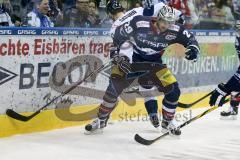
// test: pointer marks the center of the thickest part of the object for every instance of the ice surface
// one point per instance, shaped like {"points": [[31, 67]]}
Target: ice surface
{"points": [[208, 138]]}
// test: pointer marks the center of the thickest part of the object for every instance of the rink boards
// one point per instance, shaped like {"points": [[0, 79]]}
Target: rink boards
{"points": [[38, 64], [61, 118]]}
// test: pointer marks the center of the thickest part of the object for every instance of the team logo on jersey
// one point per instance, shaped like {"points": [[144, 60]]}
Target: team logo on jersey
{"points": [[143, 24], [142, 35], [6, 75], [170, 37], [151, 43], [174, 28]]}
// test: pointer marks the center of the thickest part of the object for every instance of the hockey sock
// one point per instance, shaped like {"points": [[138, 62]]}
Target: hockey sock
{"points": [[151, 107], [104, 111]]}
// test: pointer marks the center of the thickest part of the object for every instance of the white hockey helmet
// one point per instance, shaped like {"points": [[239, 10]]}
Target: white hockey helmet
{"points": [[167, 14]]}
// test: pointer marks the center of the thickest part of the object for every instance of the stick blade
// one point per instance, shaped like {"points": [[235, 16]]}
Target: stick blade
{"points": [[16, 116], [143, 141]]}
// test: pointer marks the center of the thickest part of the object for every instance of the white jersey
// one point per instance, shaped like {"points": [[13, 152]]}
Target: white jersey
{"points": [[128, 16]]}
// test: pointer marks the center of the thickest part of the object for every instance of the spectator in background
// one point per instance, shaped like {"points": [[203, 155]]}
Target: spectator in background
{"points": [[5, 19], [187, 7], [106, 21], [38, 17], [223, 11], [20, 9], [67, 6], [125, 4], [206, 11], [136, 4], [78, 15], [202, 6], [68, 3], [93, 16], [17, 21], [215, 15], [55, 13], [8, 6]]}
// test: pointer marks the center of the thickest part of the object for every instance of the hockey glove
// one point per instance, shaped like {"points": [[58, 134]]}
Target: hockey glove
{"points": [[192, 53], [148, 3], [219, 95], [122, 62], [113, 50]]}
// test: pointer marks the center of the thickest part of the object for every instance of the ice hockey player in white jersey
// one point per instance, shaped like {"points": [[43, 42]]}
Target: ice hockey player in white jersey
{"points": [[149, 45], [231, 87], [149, 10]]}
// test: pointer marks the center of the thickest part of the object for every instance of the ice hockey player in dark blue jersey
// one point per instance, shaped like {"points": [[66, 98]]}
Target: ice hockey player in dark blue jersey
{"points": [[115, 11], [119, 17], [144, 40], [231, 87]]}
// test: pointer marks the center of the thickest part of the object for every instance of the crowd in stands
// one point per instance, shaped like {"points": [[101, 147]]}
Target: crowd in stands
{"points": [[199, 14]]}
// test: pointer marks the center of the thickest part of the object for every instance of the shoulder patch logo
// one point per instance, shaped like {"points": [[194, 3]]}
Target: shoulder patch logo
{"points": [[170, 37], [143, 24], [174, 27]]}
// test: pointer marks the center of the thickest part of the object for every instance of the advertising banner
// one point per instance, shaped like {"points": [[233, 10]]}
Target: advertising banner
{"points": [[38, 64]]}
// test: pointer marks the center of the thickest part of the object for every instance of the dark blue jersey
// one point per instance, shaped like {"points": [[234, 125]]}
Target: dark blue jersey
{"points": [[234, 83], [237, 46], [148, 42]]}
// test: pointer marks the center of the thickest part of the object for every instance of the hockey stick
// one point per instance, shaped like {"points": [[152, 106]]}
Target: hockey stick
{"points": [[182, 105], [11, 113], [144, 141]]}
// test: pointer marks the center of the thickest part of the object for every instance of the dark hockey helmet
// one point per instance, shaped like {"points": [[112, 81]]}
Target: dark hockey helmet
{"points": [[113, 7]]}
